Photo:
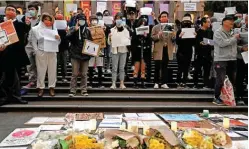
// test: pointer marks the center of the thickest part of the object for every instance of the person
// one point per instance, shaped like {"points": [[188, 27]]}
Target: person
{"points": [[63, 48], [242, 68], [12, 58], [203, 52], [184, 52], [225, 56], [118, 53], [97, 36], [107, 50], [80, 62], [163, 51], [73, 17], [31, 69], [141, 53], [46, 60]]}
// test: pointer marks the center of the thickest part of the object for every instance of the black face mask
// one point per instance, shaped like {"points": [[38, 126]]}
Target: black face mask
{"points": [[120, 29], [186, 25]]}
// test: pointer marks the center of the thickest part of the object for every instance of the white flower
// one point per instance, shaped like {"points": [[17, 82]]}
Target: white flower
{"points": [[132, 142], [115, 144]]}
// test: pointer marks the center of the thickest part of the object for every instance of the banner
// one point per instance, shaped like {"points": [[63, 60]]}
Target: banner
{"points": [[116, 7], [67, 14], [86, 6]]}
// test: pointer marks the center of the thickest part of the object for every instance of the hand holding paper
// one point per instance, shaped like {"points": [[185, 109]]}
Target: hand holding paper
{"points": [[188, 33], [57, 37], [146, 11]]}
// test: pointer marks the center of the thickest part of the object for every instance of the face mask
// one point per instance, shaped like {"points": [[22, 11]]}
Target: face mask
{"points": [[99, 17], [94, 22], [10, 14], [119, 23], [82, 22], [164, 20], [32, 13], [48, 23], [59, 17]]}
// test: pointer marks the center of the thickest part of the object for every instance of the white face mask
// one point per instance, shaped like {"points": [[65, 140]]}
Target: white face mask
{"points": [[82, 22]]}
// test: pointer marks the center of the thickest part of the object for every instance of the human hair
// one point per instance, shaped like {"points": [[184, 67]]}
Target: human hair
{"points": [[164, 12], [11, 6], [106, 11], [45, 16], [99, 14], [34, 6], [229, 18], [141, 21], [188, 15], [119, 14], [203, 20], [79, 9]]}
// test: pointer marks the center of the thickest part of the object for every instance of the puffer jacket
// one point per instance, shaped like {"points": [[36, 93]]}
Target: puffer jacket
{"points": [[77, 42]]}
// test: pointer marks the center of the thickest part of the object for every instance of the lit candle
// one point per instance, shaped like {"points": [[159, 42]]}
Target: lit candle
{"points": [[93, 123], [226, 123], [145, 129], [174, 126]]}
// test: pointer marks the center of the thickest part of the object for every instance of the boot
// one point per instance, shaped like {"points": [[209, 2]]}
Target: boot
{"points": [[40, 92], [143, 83], [135, 83], [51, 92]]}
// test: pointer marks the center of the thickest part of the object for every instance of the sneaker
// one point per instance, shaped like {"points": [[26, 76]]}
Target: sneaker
{"points": [[69, 64], [183, 85], [189, 77], [156, 86], [122, 87], [72, 94], [26, 74], [218, 101], [84, 93], [29, 85], [101, 87], [113, 86], [89, 87], [108, 71], [165, 86]]}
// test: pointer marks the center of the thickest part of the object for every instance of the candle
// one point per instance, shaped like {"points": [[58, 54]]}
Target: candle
{"points": [[93, 123], [226, 123], [122, 126], [206, 113], [174, 126], [145, 129]]}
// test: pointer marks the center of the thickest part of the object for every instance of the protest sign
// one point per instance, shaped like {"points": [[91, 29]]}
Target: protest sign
{"points": [[91, 48], [10, 31]]}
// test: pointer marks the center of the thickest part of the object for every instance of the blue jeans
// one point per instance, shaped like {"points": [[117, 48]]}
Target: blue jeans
{"points": [[118, 61]]}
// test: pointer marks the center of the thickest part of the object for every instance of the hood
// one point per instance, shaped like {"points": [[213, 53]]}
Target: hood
{"points": [[42, 25]]}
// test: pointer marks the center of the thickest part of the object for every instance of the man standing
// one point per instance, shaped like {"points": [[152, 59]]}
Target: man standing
{"points": [[225, 56], [203, 52], [12, 58], [32, 70]]}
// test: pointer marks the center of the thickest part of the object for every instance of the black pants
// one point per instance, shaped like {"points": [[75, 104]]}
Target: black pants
{"points": [[126, 64], [148, 66], [163, 66], [183, 61], [205, 63], [91, 74], [222, 69], [10, 85], [242, 72], [62, 61]]}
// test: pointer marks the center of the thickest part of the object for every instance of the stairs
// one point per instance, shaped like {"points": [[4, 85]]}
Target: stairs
{"points": [[128, 100]]}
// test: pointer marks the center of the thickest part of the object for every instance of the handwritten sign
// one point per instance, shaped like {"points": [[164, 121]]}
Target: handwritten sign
{"points": [[189, 6], [142, 30], [91, 48], [3, 38]]}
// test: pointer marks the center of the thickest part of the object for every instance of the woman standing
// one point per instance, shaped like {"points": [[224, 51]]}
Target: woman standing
{"points": [[46, 59], [118, 53], [141, 52]]}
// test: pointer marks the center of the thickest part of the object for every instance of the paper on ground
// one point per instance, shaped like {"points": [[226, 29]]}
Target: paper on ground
{"points": [[180, 117], [37, 120], [50, 127], [131, 115], [236, 116], [188, 33], [81, 125], [215, 115], [245, 56], [56, 120], [110, 123], [108, 116], [233, 135], [61, 24], [244, 133], [154, 123], [239, 145]]}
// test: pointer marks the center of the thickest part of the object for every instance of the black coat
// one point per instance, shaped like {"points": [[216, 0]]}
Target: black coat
{"points": [[15, 55], [64, 42], [76, 47], [184, 45]]}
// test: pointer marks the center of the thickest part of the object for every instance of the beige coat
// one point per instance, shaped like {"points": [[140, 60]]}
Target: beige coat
{"points": [[162, 41]]}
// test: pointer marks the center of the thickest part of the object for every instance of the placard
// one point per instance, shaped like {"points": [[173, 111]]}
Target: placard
{"points": [[188, 33], [245, 56], [230, 10], [130, 3], [91, 48], [146, 11], [116, 41], [10, 31], [219, 16], [61, 24], [164, 7], [180, 117], [151, 19], [216, 26], [71, 7], [98, 36], [50, 43], [108, 20], [3, 38], [101, 6], [190, 6], [20, 137], [142, 30]]}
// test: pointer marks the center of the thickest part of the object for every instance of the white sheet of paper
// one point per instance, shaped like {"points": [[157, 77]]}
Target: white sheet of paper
{"points": [[108, 116], [230, 10], [233, 135], [245, 56], [190, 6], [208, 41], [142, 30], [239, 145], [56, 120], [14, 148], [188, 33], [146, 115], [244, 133], [91, 48], [81, 125], [101, 6], [110, 123], [108, 19], [131, 115], [50, 127], [154, 123], [146, 11], [37, 120], [216, 25], [71, 7], [130, 3], [50, 34], [61, 24], [51, 45], [215, 115], [136, 123], [119, 42], [2, 10], [3, 38], [219, 16], [236, 116]]}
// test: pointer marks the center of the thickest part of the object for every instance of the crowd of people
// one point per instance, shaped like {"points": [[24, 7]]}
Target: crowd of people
{"points": [[211, 62]]}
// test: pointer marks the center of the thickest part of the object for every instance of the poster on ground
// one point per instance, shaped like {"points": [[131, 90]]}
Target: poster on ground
{"points": [[10, 33]]}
